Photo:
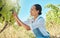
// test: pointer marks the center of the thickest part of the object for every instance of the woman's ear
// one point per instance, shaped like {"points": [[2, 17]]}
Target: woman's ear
{"points": [[37, 11]]}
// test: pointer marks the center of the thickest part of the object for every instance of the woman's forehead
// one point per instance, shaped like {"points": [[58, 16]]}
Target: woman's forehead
{"points": [[33, 7]]}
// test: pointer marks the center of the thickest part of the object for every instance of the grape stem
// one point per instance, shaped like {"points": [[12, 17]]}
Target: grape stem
{"points": [[6, 23]]}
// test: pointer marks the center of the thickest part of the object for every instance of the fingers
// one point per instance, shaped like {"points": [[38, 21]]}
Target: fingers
{"points": [[14, 13]]}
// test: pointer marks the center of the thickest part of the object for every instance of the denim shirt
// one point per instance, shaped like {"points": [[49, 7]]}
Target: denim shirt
{"points": [[37, 26]]}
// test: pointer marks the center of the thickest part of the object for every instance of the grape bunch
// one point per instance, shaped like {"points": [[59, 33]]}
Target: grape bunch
{"points": [[6, 9]]}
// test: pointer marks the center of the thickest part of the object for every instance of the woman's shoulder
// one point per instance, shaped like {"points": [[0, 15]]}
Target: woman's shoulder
{"points": [[41, 19]]}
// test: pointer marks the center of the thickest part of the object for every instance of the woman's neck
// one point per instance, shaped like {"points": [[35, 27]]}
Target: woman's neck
{"points": [[35, 17]]}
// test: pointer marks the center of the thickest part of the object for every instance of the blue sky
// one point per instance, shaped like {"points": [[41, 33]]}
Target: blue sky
{"points": [[26, 5]]}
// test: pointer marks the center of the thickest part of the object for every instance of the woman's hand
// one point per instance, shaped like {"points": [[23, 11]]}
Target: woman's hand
{"points": [[16, 17], [20, 22], [14, 14]]}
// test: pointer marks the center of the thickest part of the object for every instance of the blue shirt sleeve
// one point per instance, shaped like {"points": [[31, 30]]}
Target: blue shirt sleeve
{"points": [[38, 23], [28, 22]]}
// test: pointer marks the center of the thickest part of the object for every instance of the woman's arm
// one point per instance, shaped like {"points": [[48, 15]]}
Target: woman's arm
{"points": [[20, 22]]}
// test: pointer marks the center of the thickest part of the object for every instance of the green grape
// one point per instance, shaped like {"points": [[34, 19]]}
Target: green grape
{"points": [[1, 7], [3, 18], [0, 15]]}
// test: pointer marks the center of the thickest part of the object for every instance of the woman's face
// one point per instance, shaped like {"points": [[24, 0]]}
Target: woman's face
{"points": [[33, 11]]}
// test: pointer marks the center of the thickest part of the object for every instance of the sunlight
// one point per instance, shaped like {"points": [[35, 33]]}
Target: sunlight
{"points": [[13, 1]]}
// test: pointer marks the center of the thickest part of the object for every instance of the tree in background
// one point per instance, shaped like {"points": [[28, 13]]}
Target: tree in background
{"points": [[53, 19]]}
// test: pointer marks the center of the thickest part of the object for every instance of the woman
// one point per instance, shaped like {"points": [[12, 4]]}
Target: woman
{"points": [[36, 24]]}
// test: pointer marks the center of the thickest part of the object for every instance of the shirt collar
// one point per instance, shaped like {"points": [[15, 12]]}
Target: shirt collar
{"points": [[38, 17]]}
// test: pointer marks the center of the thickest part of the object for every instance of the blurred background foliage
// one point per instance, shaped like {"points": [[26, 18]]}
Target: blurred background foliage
{"points": [[53, 19]]}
